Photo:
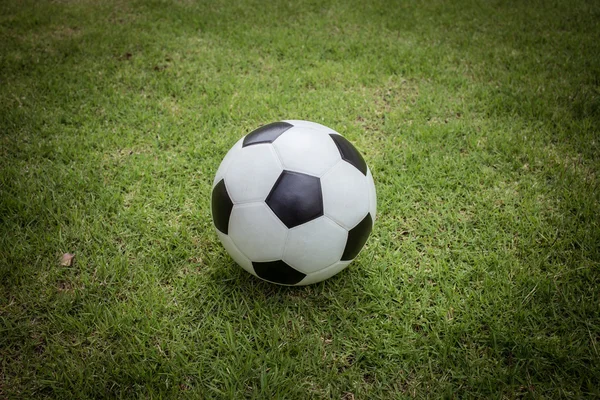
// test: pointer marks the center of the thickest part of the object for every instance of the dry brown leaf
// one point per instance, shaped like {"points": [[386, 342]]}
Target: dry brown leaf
{"points": [[67, 259]]}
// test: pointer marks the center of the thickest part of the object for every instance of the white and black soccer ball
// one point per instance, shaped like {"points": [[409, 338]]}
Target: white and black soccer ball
{"points": [[293, 202]]}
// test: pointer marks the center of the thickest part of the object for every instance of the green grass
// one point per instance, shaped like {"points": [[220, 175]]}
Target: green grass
{"points": [[480, 122]]}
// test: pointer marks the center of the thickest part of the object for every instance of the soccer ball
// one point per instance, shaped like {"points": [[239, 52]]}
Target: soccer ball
{"points": [[293, 202]]}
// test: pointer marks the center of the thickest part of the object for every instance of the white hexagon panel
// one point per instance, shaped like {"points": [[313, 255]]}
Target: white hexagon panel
{"points": [[306, 150], [315, 245], [231, 155], [323, 274], [257, 232], [252, 173], [372, 195], [346, 197], [309, 124], [235, 253]]}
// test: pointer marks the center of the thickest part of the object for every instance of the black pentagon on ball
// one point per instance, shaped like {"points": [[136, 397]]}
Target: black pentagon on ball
{"points": [[278, 272], [357, 237], [266, 134], [296, 198], [221, 207], [349, 153]]}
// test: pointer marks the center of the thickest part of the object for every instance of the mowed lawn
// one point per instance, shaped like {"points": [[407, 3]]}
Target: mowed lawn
{"points": [[479, 119]]}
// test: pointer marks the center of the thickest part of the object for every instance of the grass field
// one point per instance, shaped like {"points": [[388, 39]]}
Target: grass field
{"points": [[480, 121]]}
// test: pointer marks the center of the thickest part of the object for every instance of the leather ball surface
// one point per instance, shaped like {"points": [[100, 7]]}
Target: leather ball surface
{"points": [[293, 202]]}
